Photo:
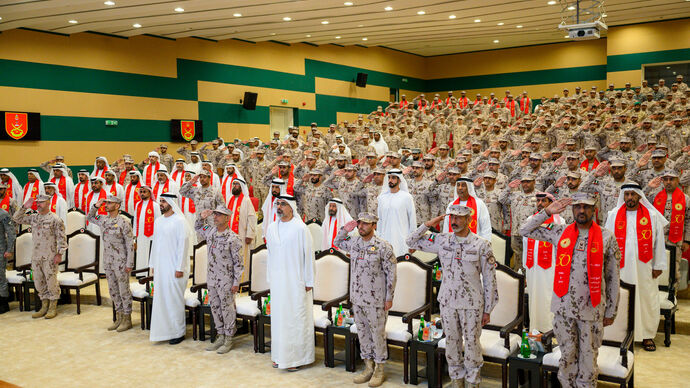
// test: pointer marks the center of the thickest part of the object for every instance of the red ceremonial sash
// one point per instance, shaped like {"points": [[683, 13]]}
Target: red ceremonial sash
{"points": [[113, 189], [290, 181], [524, 104], [5, 203], [165, 188], [175, 174], [335, 230], [472, 204], [136, 198], [404, 104], [9, 188], [545, 251], [644, 233], [234, 205], [595, 259], [34, 192], [192, 207], [101, 195], [463, 102], [511, 105], [150, 171], [585, 165], [225, 180], [80, 196], [53, 203], [677, 221], [148, 218], [62, 186], [123, 175]]}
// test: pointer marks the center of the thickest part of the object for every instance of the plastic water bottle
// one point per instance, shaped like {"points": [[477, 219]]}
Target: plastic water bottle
{"points": [[525, 350], [420, 333]]}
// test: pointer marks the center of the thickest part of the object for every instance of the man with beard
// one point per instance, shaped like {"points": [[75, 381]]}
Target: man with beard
{"points": [[290, 273], [8, 235], [521, 204], [335, 216], [468, 293], [242, 217], [347, 184], [538, 264], [606, 185], [205, 197], [269, 206], [480, 222], [586, 285], [81, 190], [419, 189], [313, 194], [132, 192], [639, 231], [57, 204], [372, 283], [565, 187], [169, 266], [396, 212], [111, 186], [164, 184], [146, 211]]}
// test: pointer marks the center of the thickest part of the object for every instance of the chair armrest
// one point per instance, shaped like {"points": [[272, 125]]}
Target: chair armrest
{"points": [[145, 280], [407, 318], [24, 267], [138, 271], [327, 306], [625, 345], [84, 267], [547, 341], [507, 329], [257, 297], [198, 287]]}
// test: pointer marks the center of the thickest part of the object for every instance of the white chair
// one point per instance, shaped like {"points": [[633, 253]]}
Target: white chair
{"points": [[192, 296], [21, 264], [76, 220], [616, 355], [501, 336], [316, 234], [81, 264], [667, 299], [500, 244], [411, 299], [331, 287], [249, 306]]}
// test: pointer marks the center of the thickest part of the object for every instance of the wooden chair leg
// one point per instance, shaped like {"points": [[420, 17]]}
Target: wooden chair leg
{"points": [[256, 338], [114, 317], [195, 312], [142, 314], [406, 365], [504, 375], [667, 329], [78, 302], [98, 292]]}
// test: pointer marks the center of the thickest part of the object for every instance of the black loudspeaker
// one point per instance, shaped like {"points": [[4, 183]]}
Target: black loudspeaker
{"points": [[249, 101], [362, 80]]}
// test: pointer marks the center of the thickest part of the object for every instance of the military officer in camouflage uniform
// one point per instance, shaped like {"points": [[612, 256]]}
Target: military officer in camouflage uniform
{"points": [[522, 204], [466, 299], [313, 194], [348, 186], [372, 283], [8, 234], [372, 189], [118, 257], [487, 189], [582, 309], [205, 197], [225, 267], [50, 244], [418, 187]]}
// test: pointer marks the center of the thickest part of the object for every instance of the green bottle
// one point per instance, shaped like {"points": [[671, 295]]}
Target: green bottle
{"points": [[263, 309], [31, 275], [420, 332], [339, 316], [152, 288], [525, 350], [205, 297]]}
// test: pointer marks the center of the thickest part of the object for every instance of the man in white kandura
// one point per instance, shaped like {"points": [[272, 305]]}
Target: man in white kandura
{"points": [[396, 212], [480, 221], [335, 217], [169, 266], [639, 231], [290, 273]]}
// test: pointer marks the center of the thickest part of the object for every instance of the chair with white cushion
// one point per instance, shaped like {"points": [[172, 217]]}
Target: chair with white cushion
{"points": [[331, 287], [314, 227], [500, 244], [193, 300], [411, 300], [501, 336], [21, 267], [81, 265], [76, 220], [616, 355], [667, 295], [249, 306]]}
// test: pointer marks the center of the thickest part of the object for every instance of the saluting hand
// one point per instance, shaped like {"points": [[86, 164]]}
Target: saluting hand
{"points": [[558, 206], [350, 226], [434, 221]]}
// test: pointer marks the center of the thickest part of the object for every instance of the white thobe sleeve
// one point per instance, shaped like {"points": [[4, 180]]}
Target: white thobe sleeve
{"points": [[411, 217], [484, 221], [308, 255], [180, 248], [659, 259]]}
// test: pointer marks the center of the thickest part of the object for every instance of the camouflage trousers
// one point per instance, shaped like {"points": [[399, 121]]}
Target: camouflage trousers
{"points": [[579, 342], [516, 245], [45, 278], [458, 325], [118, 285], [371, 330], [4, 292], [223, 309]]}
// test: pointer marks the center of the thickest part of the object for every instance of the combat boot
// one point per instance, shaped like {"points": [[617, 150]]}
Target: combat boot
{"points": [[459, 383], [378, 377], [116, 324], [227, 345], [366, 373], [44, 309], [52, 310], [126, 323], [213, 346]]}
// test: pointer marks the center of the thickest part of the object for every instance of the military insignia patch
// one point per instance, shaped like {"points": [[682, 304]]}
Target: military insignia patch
{"points": [[373, 249], [432, 237], [98, 217], [678, 206], [347, 238], [644, 221], [205, 227], [565, 243]]}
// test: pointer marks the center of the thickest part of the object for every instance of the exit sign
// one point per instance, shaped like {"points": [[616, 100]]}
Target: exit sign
{"points": [[111, 123]]}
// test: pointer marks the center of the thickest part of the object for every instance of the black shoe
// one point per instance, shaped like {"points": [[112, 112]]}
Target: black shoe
{"points": [[4, 306], [176, 341]]}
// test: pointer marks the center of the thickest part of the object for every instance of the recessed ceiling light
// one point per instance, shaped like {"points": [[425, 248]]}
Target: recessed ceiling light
{"points": [[73, 21], [500, 24], [518, 26], [421, 12], [324, 22], [109, 2], [236, 15], [337, 37], [389, 8], [477, 20], [308, 36], [287, 18], [552, 2], [348, 3], [451, 16], [136, 25], [571, 8], [495, 40], [179, 9], [365, 38]]}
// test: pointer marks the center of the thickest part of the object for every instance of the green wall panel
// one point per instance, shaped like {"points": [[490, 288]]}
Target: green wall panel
{"points": [[626, 62]]}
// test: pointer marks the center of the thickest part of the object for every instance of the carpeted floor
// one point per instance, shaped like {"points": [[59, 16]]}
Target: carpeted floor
{"points": [[77, 351]]}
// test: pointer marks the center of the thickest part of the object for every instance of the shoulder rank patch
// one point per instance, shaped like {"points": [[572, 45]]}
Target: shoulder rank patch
{"points": [[432, 237], [98, 216], [347, 238]]}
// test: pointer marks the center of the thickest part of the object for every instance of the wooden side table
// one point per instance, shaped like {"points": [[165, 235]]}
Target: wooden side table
{"points": [[532, 366], [429, 372], [349, 354]]}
